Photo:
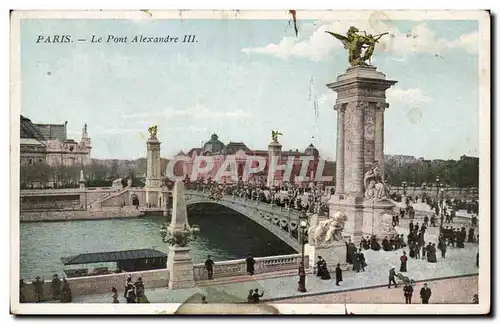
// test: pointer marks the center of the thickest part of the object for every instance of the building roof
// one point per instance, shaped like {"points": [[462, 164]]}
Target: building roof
{"points": [[53, 131], [30, 141], [234, 147], [213, 145], [29, 130], [113, 256]]}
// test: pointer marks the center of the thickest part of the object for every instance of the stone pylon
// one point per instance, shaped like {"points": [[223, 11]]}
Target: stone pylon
{"points": [[179, 263], [274, 151], [360, 105], [153, 172]]}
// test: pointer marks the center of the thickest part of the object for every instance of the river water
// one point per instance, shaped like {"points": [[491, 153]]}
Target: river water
{"points": [[224, 234]]}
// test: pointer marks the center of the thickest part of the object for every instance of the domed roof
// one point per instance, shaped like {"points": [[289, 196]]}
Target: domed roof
{"points": [[311, 150], [213, 145]]}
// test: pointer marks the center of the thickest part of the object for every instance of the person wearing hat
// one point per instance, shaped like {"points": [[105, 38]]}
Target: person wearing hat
{"points": [[425, 294], [392, 277], [209, 265]]}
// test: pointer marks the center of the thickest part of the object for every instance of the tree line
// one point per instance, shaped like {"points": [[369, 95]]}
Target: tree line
{"points": [[463, 173]]}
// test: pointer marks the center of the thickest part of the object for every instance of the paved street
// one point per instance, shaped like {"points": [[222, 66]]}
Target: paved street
{"points": [[457, 262], [443, 292]]}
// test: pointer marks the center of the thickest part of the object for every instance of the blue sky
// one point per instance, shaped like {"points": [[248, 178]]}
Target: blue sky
{"points": [[245, 77]]}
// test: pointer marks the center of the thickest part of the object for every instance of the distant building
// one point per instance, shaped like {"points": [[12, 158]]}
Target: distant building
{"points": [[240, 151], [48, 143]]}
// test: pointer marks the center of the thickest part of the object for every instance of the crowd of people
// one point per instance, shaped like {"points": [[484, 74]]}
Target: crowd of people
{"points": [[60, 290], [310, 198]]}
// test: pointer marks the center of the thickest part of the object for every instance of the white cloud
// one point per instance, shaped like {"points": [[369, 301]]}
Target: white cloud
{"points": [[413, 96], [317, 45]]}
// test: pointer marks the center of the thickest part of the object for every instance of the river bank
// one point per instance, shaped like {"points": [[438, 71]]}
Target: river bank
{"points": [[44, 215]]}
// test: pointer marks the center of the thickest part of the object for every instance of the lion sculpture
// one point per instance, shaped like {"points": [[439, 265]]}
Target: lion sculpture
{"points": [[328, 230]]}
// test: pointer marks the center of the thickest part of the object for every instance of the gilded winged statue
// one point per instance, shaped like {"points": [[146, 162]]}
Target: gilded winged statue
{"points": [[275, 134], [360, 47], [153, 130]]}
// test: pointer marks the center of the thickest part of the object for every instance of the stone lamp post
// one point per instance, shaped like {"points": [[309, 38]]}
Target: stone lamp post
{"points": [[302, 273], [178, 234]]}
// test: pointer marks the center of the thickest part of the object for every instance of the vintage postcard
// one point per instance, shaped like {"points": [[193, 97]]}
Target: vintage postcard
{"points": [[250, 162]]}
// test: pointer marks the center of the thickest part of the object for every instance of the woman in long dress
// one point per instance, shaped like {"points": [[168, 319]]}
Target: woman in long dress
{"points": [[403, 259]]}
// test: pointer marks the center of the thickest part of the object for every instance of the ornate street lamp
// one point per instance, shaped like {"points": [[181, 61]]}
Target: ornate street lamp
{"points": [[437, 188], [403, 184], [303, 233]]}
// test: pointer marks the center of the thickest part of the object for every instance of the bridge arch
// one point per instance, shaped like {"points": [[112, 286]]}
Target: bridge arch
{"points": [[281, 223]]}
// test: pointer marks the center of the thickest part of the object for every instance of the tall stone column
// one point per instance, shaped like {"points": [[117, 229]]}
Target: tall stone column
{"points": [[357, 130], [379, 135], [340, 164]]}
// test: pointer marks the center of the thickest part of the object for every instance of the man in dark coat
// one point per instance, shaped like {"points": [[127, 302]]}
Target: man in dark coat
{"points": [[250, 265], [408, 291], [209, 265], [425, 294], [256, 296], [338, 274], [56, 287], [392, 277]]}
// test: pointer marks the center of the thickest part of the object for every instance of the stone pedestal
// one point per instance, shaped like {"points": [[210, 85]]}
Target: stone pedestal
{"points": [[365, 217], [180, 266], [332, 254]]}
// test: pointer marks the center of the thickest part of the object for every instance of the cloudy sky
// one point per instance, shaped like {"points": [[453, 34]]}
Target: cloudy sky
{"points": [[245, 77]]}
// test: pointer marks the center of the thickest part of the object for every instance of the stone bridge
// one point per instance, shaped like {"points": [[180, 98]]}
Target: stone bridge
{"points": [[282, 222]]}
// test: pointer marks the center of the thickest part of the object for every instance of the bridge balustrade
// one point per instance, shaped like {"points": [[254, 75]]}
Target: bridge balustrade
{"points": [[235, 268]]}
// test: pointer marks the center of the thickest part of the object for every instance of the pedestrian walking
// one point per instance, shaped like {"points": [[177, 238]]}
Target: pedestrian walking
{"points": [[408, 292], [425, 294], [338, 274], [392, 277]]}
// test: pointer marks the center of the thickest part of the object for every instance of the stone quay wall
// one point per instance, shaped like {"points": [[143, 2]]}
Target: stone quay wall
{"points": [[78, 214], [102, 284], [90, 285]]}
